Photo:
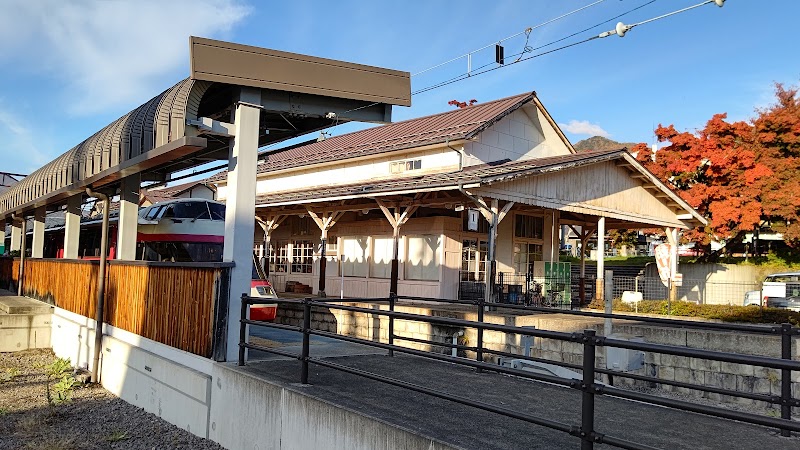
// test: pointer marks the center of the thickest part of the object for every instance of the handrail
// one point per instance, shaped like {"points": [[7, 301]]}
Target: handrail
{"points": [[675, 323], [587, 385]]}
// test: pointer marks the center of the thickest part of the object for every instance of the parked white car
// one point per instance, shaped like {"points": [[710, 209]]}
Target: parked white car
{"points": [[779, 290]]}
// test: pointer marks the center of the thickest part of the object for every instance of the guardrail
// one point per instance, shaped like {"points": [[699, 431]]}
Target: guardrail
{"points": [[586, 384]]}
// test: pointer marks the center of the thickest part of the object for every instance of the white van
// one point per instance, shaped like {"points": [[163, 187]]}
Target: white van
{"points": [[779, 290]]}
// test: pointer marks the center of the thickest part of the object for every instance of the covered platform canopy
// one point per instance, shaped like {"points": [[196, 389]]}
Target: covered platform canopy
{"points": [[173, 131], [582, 186]]}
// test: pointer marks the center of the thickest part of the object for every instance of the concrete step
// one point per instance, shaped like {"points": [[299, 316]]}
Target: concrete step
{"points": [[23, 305]]}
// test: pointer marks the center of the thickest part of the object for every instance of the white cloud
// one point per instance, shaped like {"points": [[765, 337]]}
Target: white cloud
{"points": [[584, 127], [106, 54], [26, 150]]}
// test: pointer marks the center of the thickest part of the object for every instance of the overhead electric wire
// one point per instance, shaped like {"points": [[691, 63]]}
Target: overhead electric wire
{"points": [[601, 35], [525, 31], [479, 71]]}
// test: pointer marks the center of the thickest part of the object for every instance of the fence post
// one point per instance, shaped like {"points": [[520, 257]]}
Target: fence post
{"points": [[786, 376], [479, 343], [243, 329], [587, 404], [306, 339], [392, 300]]}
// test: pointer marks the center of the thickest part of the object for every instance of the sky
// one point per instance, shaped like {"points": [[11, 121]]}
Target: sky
{"points": [[68, 69]]}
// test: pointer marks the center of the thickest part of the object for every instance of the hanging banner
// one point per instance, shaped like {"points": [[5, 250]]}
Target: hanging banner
{"points": [[664, 262]]}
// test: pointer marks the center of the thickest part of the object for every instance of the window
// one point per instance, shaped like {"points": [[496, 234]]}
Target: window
{"points": [[217, 211], [279, 257], [422, 262], [382, 253], [530, 227], [302, 256], [354, 256], [525, 253], [301, 226], [153, 212], [405, 166], [191, 210], [473, 260]]}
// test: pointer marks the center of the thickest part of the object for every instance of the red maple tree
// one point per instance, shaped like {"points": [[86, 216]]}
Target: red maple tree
{"points": [[459, 104], [739, 175]]}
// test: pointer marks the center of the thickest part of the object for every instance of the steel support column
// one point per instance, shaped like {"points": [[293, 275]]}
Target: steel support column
{"points": [[37, 243], [241, 208], [72, 227], [128, 217]]}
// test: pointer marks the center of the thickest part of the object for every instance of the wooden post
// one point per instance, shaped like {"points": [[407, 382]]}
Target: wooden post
{"points": [[325, 221]]}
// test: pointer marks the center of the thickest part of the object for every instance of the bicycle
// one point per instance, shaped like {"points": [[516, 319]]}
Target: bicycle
{"points": [[551, 299]]}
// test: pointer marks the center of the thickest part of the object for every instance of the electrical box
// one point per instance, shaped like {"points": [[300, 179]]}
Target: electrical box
{"points": [[623, 359]]}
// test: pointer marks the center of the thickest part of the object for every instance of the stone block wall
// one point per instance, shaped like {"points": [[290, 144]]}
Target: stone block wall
{"points": [[743, 378]]}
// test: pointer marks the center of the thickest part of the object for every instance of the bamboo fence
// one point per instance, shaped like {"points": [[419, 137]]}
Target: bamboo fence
{"points": [[173, 305]]}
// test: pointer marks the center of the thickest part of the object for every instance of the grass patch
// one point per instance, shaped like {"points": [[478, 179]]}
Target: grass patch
{"points": [[117, 436], [725, 313]]}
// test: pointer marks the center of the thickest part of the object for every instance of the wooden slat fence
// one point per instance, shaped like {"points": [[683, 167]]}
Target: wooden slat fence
{"points": [[171, 305], [6, 265], [168, 303], [68, 284]]}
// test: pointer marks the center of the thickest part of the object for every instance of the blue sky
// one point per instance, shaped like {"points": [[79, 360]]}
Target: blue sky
{"points": [[69, 68]]}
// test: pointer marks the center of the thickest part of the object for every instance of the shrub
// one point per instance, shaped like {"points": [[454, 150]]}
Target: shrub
{"points": [[726, 313]]}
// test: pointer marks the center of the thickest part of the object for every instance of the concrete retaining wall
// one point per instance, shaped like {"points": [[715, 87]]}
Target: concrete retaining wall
{"points": [[253, 413], [24, 331], [744, 378], [170, 383], [216, 401]]}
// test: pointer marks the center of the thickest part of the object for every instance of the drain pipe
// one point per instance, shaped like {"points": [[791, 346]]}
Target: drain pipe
{"points": [[22, 248], [101, 285]]}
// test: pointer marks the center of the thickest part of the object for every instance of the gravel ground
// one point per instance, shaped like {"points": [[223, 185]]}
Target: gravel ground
{"points": [[93, 419]]}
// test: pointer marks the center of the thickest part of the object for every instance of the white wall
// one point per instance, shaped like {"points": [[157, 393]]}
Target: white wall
{"points": [[162, 380], [435, 160], [523, 134]]}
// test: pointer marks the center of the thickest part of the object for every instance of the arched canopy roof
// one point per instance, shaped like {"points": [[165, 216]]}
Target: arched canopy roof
{"points": [[159, 137]]}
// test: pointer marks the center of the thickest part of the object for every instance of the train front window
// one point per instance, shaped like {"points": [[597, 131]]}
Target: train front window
{"points": [[191, 210], [217, 211]]}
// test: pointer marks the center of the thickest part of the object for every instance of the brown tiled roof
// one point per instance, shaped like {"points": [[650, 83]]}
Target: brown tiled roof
{"points": [[168, 193], [452, 125], [484, 174]]}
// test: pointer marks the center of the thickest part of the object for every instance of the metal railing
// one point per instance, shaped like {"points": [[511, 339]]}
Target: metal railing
{"points": [[586, 384], [699, 291], [525, 289]]}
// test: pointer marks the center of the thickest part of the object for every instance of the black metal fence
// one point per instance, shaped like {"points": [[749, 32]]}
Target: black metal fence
{"points": [[587, 384], [562, 292]]}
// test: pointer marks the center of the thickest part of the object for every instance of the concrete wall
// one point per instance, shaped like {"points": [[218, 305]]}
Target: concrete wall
{"points": [[216, 401], [24, 331], [252, 413], [170, 383], [721, 284], [744, 378]]}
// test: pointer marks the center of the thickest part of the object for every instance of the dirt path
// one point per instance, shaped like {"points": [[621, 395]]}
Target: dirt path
{"points": [[93, 418]]}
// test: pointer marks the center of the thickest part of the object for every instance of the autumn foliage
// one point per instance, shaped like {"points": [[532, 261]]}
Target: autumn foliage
{"points": [[459, 104], [740, 175]]}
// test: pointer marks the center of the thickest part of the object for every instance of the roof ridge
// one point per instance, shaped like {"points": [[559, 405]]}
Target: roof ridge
{"points": [[453, 111]]}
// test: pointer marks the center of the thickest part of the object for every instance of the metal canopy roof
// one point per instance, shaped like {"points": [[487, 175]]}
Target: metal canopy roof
{"points": [[298, 94]]}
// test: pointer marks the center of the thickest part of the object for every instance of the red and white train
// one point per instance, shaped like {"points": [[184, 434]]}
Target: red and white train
{"points": [[192, 230]]}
